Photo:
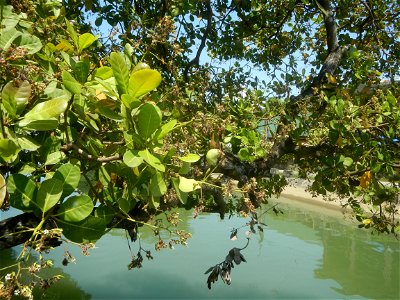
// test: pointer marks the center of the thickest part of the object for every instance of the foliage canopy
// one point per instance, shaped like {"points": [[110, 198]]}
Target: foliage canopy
{"points": [[108, 129]]}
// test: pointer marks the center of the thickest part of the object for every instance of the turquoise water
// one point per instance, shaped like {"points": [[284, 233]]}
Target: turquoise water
{"points": [[306, 253]]}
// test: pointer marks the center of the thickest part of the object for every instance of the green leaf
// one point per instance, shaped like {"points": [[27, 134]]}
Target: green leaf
{"points": [[131, 159], [103, 73], [76, 208], [72, 32], [120, 70], [70, 176], [86, 40], [151, 160], [104, 212], [30, 42], [3, 190], [8, 150], [185, 169], [39, 125], [49, 194], [190, 158], [143, 81], [166, 128], [182, 196], [148, 120], [27, 143], [81, 70], [87, 231], [125, 204], [7, 37], [130, 101], [45, 111], [15, 97], [70, 83], [22, 192], [157, 185], [187, 185], [54, 158], [347, 161]]}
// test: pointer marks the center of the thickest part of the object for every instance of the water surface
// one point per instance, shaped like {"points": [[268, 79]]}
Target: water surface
{"points": [[306, 253]]}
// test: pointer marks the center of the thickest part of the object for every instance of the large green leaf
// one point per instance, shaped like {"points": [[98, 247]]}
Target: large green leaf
{"points": [[143, 81], [22, 192], [81, 70], [70, 176], [45, 111], [15, 97], [118, 63], [30, 42], [3, 190], [7, 37], [86, 231], [8, 150], [188, 185], [76, 208], [157, 185], [130, 102], [49, 194], [148, 120], [85, 40], [105, 212], [70, 83], [131, 159], [151, 160]]}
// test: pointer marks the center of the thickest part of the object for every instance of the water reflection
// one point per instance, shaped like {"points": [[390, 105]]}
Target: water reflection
{"points": [[304, 253]]}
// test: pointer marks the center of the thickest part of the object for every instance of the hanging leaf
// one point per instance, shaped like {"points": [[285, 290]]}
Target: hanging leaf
{"points": [[81, 70], [188, 185], [190, 158], [157, 185], [22, 192], [182, 196], [54, 158], [88, 230], [120, 70], [70, 176], [76, 208], [49, 194], [131, 159], [143, 81], [86, 40], [70, 83], [151, 160], [148, 120]]}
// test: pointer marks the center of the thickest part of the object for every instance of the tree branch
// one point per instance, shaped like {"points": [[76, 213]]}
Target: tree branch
{"points": [[196, 59], [69, 147]]}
